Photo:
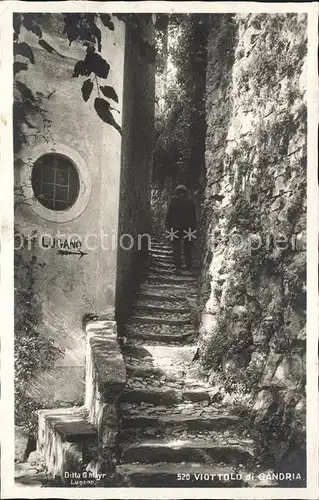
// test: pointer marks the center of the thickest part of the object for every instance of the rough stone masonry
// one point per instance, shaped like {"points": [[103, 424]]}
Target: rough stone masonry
{"points": [[254, 264]]}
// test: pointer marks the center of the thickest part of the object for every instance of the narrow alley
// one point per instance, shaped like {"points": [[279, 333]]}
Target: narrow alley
{"points": [[169, 413]]}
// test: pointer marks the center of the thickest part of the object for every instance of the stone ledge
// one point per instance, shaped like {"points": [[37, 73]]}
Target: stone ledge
{"points": [[63, 439], [105, 370], [107, 357], [70, 424], [103, 326]]}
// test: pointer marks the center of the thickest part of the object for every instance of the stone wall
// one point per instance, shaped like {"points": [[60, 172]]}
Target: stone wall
{"points": [[252, 286], [138, 123]]}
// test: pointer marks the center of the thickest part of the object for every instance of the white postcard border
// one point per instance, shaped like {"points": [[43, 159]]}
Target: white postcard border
{"points": [[9, 489]]}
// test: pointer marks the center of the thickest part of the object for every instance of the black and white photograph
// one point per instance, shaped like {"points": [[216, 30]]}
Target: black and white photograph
{"points": [[159, 250]]}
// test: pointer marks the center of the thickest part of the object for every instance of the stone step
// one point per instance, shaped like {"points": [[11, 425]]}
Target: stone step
{"points": [[157, 270], [165, 338], [167, 422], [165, 397], [165, 258], [161, 320], [158, 296], [174, 450], [135, 328], [153, 307], [160, 361], [161, 245], [140, 391], [160, 250], [159, 239], [169, 290], [187, 475], [139, 386], [162, 263], [172, 280], [171, 286], [146, 370], [160, 353]]}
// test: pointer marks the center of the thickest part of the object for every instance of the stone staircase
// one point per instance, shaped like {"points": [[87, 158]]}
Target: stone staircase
{"points": [[174, 431], [149, 419]]}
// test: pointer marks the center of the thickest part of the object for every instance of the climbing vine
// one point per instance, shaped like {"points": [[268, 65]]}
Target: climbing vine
{"points": [[82, 27], [180, 120], [32, 350]]}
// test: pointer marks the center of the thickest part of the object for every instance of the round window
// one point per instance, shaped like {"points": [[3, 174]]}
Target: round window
{"points": [[55, 181]]}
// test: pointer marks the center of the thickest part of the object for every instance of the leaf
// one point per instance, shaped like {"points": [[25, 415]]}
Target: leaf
{"points": [[37, 30], [96, 32], [102, 107], [19, 66], [105, 18], [89, 47], [86, 89], [97, 64], [25, 91], [27, 22], [71, 26], [30, 25], [46, 46], [80, 68], [23, 49], [16, 21], [109, 92]]}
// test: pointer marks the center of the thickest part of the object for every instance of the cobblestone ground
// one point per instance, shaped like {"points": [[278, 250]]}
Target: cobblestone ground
{"points": [[31, 473], [174, 423]]}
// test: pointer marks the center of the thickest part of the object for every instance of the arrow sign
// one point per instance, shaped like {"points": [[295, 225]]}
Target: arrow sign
{"points": [[69, 252]]}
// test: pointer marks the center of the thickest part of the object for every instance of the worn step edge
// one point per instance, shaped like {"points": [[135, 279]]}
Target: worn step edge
{"points": [[147, 352], [141, 395], [186, 273], [186, 451], [163, 264], [161, 251], [173, 279], [160, 337], [171, 395], [161, 245], [166, 287], [163, 258], [158, 320], [137, 371], [159, 308], [154, 396], [157, 296], [211, 422]]}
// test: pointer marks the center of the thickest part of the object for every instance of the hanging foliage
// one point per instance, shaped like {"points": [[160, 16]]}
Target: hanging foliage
{"points": [[81, 27], [180, 118]]}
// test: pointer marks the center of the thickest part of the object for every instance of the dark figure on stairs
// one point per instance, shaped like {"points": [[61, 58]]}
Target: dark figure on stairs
{"points": [[181, 222]]}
